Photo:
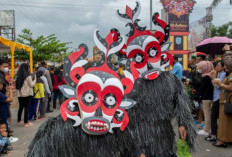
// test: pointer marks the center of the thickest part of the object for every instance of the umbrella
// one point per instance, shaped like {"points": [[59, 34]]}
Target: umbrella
{"points": [[213, 45]]}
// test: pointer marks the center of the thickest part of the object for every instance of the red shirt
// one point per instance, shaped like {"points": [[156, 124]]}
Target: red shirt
{"points": [[56, 83]]}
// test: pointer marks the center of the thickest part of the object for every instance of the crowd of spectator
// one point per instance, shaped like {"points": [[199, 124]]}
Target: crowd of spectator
{"points": [[34, 92], [210, 85]]}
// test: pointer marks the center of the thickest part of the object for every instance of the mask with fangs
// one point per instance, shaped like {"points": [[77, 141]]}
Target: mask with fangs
{"points": [[98, 98], [148, 50]]}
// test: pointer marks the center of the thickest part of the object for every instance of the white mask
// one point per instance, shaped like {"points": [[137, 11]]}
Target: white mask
{"points": [[5, 70], [199, 71]]}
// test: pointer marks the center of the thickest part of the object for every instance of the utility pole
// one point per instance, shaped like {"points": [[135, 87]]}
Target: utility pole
{"points": [[150, 14]]}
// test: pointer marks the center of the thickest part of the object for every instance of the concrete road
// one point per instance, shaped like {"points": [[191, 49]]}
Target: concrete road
{"points": [[26, 134]]}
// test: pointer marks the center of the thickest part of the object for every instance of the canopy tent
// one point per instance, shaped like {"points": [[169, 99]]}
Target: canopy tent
{"points": [[8, 45]]}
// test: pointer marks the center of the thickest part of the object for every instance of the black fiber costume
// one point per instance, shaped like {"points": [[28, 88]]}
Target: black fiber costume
{"points": [[159, 101], [56, 138], [62, 137]]}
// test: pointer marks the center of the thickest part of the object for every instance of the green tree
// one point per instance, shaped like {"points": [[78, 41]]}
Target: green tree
{"points": [[216, 2], [44, 47], [224, 30], [59, 58]]}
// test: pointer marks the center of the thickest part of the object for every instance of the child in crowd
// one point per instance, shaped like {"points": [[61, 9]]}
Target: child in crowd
{"points": [[4, 141], [38, 96]]}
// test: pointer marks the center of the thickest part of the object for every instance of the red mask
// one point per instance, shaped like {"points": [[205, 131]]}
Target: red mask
{"points": [[146, 48], [98, 93]]}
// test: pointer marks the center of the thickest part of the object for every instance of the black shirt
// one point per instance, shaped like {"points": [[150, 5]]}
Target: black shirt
{"points": [[206, 88]]}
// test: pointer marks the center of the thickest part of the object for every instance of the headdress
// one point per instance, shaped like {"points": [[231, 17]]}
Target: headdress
{"points": [[148, 49], [97, 97]]}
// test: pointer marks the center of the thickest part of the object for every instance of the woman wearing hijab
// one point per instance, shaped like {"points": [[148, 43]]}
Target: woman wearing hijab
{"points": [[206, 94], [24, 92], [224, 133], [58, 80]]}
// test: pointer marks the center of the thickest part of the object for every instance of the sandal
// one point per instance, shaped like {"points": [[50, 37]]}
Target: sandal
{"points": [[223, 145], [211, 138]]}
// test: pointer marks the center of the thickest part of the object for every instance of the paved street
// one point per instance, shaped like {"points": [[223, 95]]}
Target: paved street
{"points": [[25, 135]]}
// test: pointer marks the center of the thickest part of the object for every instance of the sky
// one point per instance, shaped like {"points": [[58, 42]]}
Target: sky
{"points": [[75, 20]]}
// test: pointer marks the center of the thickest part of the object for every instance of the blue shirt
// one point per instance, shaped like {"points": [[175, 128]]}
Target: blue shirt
{"points": [[177, 70], [3, 107], [217, 89], [3, 142]]}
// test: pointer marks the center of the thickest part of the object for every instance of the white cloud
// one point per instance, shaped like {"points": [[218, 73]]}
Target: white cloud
{"points": [[80, 29]]}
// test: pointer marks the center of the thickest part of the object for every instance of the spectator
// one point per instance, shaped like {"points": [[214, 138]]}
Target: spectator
{"points": [[4, 99], [200, 58], [51, 71], [4, 140], [3, 70], [24, 91], [44, 67], [38, 96], [196, 79], [218, 73], [47, 94], [58, 80], [225, 121], [47, 74], [177, 68], [206, 94], [193, 65]]}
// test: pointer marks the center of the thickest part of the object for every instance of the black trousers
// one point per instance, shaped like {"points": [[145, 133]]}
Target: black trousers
{"points": [[214, 117], [57, 92], [49, 102], [24, 103]]}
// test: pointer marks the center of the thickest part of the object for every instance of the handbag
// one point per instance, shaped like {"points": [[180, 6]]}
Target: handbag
{"points": [[228, 107]]}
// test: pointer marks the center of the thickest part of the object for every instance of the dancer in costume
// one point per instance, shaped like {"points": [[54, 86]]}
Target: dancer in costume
{"points": [[97, 103], [160, 96]]}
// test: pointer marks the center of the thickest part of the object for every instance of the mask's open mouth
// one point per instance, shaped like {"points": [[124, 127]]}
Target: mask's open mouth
{"points": [[97, 126], [151, 74]]}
